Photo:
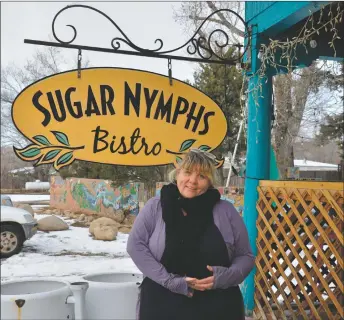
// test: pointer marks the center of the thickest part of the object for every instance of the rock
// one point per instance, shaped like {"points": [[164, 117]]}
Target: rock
{"points": [[52, 223], [90, 218], [124, 229], [70, 214], [82, 217], [106, 233], [48, 211], [80, 224], [130, 219], [74, 216], [67, 213], [118, 216], [26, 207], [102, 222]]}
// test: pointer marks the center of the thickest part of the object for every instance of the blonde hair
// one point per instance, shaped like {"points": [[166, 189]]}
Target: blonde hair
{"points": [[203, 161]]}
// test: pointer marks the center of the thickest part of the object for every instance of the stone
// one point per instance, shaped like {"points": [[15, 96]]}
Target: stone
{"points": [[26, 207], [82, 217], [79, 224], [52, 223], [90, 218], [118, 216], [130, 219], [39, 212], [105, 233], [75, 215], [102, 222], [124, 229], [67, 213]]}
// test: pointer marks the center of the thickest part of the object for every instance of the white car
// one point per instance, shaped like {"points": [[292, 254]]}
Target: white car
{"points": [[17, 225]]}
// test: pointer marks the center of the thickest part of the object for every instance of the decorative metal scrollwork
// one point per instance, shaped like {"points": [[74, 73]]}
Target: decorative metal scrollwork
{"points": [[196, 45]]}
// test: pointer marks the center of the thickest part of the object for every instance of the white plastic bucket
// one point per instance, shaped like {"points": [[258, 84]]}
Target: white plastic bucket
{"points": [[35, 299], [112, 295]]}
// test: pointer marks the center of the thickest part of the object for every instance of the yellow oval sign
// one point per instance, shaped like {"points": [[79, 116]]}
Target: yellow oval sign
{"points": [[115, 116]]}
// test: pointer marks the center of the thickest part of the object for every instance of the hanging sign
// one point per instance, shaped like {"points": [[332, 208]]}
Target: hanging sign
{"points": [[115, 116]]}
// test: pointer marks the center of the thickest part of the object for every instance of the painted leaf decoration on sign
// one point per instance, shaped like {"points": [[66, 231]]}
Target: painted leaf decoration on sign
{"points": [[219, 163], [187, 144], [61, 137], [30, 151], [65, 158], [179, 159], [204, 148], [51, 155], [42, 140]]}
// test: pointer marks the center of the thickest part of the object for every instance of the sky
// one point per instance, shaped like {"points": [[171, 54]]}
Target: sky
{"points": [[142, 22]]}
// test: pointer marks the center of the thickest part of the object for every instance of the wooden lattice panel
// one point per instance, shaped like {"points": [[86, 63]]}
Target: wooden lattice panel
{"points": [[300, 250]]}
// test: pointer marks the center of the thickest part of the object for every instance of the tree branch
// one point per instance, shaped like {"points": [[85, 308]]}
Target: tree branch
{"points": [[225, 22], [197, 18]]}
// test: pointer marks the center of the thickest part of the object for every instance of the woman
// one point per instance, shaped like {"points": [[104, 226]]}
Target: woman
{"points": [[191, 247]]}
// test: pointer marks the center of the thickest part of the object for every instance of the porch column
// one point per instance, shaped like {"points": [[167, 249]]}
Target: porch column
{"points": [[257, 165]]}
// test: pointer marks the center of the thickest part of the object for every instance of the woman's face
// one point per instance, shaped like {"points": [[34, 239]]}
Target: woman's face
{"points": [[191, 183]]}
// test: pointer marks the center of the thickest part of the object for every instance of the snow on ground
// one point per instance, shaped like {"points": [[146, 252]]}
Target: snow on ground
{"points": [[68, 254], [28, 197], [76, 240], [38, 206]]}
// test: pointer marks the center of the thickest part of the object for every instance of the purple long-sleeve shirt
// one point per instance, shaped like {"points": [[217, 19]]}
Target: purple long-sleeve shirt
{"points": [[146, 245]]}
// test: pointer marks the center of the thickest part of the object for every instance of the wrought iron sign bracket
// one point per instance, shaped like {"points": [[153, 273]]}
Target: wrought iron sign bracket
{"points": [[198, 47]]}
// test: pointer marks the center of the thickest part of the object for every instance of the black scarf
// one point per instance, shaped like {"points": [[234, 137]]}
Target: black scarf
{"points": [[184, 234]]}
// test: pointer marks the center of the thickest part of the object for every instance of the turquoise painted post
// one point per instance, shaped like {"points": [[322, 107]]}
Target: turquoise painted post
{"points": [[257, 165]]}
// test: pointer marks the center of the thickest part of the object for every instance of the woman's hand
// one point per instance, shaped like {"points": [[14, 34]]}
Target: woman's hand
{"points": [[202, 284], [190, 282]]}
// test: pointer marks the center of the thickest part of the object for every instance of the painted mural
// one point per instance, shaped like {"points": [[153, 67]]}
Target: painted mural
{"points": [[94, 196], [231, 194], [159, 185]]}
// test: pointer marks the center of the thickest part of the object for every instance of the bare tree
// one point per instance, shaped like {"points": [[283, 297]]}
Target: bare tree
{"points": [[14, 79], [192, 14], [302, 103], [292, 91]]}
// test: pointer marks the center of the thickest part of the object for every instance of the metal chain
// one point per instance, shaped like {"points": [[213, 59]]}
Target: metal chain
{"points": [[169, 66], [79, 63]]}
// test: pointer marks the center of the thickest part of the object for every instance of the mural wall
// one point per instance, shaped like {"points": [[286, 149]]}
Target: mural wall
{"points": [[232, 194], [94, 196]]}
